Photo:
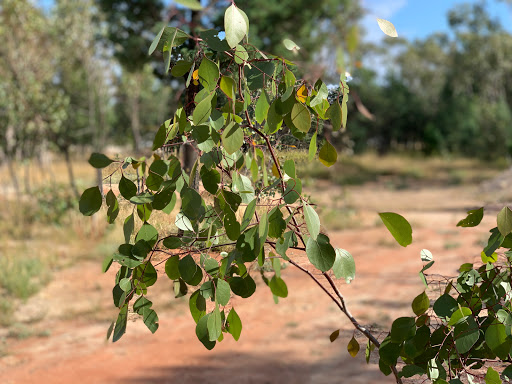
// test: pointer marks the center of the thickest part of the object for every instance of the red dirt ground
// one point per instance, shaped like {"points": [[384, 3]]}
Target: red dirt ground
{"points": [[284, 343]]}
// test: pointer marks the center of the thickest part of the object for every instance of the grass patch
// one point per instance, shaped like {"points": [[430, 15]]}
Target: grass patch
{"points": [[22, 277], [396, 171]]}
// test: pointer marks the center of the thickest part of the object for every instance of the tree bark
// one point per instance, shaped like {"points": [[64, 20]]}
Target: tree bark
{"points": [[71, 175], [135, 112]]}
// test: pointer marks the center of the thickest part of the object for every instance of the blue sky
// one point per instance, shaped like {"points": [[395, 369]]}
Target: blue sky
{"points": [[415, 19], [412, 18]]}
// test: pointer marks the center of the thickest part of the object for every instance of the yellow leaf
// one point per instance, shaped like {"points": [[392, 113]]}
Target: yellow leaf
{"points": [[275, 172], [353, 347], [195, 77], [302, 93]]}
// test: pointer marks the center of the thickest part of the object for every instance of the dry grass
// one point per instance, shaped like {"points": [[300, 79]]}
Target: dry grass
{"points": [[397, 171]]}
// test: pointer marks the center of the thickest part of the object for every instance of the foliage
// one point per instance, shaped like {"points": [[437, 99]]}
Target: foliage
{"points": [[237, 99], [458, 330], [448, 93], [229, 79]]}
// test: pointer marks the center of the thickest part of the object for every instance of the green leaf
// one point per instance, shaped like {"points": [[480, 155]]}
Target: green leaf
{"points": [[99, 160], [171, 37], [125, 284], [180, 288], [328, 155], [127, 188], [420, 304], [165, 133], [473, 219], [248, 214], [214, 324], [113, 207], [333, 336], [107, 262], [210, 179], [334, 113], [231, 225], [181, 68], [505, 221], [228, 86], [148, 233], [183, 223], [403, 329], [508, 372], [121, 322], [344, 266], [301, 118], [389, 351], [276, 224], [192, 204], [353, 347], [168, 51], [398, 226], [90, 201], [155, 41], [243, 287], [387, 27], [172, 267], [146, 274], [234, 324], [312, 147], [235, 25], [128, 227], [492, 377], [496, 338], [290, 45], [241, 55], [320, 253], [243, 185], [258, 74], [460, 313], [202, 332], [208, 74], [262, 106], [222, 292], [445, 305], [197, 306], [143, 307], [411, 370], [143, 198], [203, 110], [213, 41], [278, 287], [194, 5], [466, 334], [232, 138], [187, 268]]}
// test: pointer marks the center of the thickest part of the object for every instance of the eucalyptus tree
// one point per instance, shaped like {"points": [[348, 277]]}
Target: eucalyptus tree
{"points": [[254, 209], [30, 103]]}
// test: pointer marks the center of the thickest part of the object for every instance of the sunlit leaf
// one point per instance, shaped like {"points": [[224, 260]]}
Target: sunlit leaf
{"points": [[387, 27], [328, 155], [290, 45], [398, 226], [235, 25]]}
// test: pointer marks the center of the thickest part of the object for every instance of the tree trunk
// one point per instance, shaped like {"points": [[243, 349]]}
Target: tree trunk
{"points": [[71, 176], [26, 178], [135, 112], [12, 173]]}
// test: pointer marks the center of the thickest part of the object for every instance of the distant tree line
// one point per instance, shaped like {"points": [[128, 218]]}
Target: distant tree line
{"points": [[448, 93]]}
